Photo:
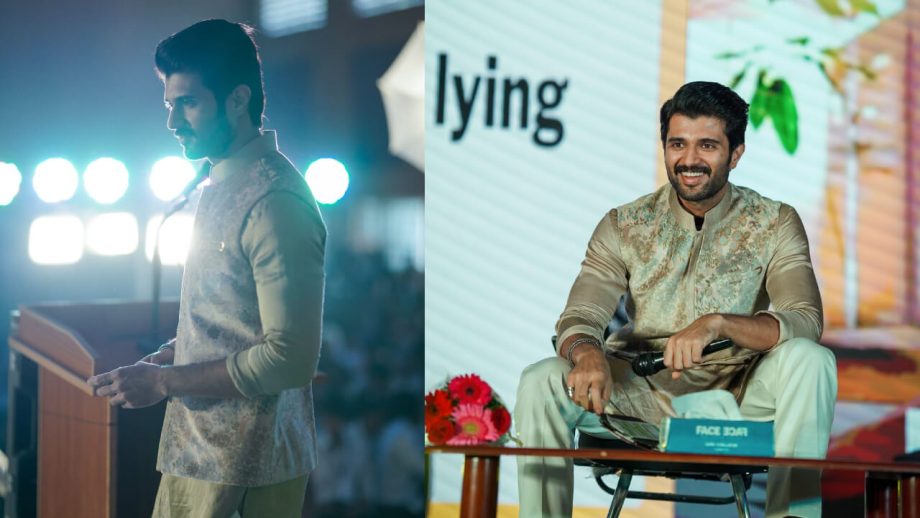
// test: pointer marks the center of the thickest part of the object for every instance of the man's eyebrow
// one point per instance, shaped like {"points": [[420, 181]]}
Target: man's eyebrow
{"points": [[180, 99], [710, 141], [676, 139]]}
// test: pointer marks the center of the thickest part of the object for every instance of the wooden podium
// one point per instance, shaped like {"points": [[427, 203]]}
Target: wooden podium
{"points": [[72, 454]]}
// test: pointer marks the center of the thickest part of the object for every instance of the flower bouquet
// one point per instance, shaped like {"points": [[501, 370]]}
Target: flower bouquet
{"points": [[466, 411]]}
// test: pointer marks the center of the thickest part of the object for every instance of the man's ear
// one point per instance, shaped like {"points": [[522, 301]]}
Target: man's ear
{"points": [[238, 101], [736, 156]]}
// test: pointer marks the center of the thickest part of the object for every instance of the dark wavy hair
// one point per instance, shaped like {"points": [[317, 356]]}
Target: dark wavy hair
{"points": [[224, 54], [703, 98]]}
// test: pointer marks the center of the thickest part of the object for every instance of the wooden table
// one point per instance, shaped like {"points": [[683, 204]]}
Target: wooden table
{"points": [[892, 489]]}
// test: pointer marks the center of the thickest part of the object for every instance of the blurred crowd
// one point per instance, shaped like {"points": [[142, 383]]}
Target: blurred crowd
{"points": [[369, 412]]}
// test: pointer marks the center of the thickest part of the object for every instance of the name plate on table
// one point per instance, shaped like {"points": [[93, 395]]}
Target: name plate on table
{"points": [[716, 436]]}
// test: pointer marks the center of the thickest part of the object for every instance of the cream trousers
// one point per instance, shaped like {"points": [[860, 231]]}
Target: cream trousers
{"points": [[795, 386], [179, 497]]}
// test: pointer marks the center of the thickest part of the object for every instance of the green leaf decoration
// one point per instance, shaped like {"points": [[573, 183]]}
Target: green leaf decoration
{"points": [[759, 109], [837, 87], [864, 6], [739, 76], [867, 72], [831, 7], [803, 41], [730, 55], [785, 116]]}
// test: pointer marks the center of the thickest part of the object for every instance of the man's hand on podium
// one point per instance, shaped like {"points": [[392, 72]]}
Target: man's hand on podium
{"points": [[134, 386]]}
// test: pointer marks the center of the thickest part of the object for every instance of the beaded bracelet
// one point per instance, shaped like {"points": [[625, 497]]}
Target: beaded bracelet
{"points": [[583, 340]]}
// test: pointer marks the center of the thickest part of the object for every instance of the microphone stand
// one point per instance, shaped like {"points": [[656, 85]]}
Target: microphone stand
{"points": [[177, 204]]}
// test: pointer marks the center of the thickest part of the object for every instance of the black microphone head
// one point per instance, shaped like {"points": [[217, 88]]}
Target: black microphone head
{"points": [[647, 364]]}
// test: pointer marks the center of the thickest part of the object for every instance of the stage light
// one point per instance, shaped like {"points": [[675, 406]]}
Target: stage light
{"points": [[106, 180], [169, 176], [175, 238], [328, 180], [56, 240], [55, 180], [10, 180], [112, 234]]}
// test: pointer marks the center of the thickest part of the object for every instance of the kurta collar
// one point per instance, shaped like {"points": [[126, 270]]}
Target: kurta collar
{"points": [[252, 151], [711, 218]]}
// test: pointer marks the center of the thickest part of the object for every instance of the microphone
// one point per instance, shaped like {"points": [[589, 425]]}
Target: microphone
{"points": [[181, 201], [175, 206], [646, 364]]}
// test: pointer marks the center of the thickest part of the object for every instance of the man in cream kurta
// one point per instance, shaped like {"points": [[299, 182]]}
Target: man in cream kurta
{"points": [[238, 436], [697, 260]]}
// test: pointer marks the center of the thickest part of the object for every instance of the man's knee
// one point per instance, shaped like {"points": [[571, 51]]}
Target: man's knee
{"points": [[547, 369], [805, 352]]}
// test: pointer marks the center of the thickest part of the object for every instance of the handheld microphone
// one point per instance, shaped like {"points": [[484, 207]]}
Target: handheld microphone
{"points": [[646, 364]]}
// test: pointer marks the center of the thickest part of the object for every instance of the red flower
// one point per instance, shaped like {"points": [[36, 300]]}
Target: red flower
{"points": [[470, 389], [474, 426], [440, 431], [501, 419], [437, 406]]}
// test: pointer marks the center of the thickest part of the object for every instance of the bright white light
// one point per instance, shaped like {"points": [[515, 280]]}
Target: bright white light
{"points": [[112, 234], [55, 180], [106, 180], [175, 238], [10, 180], [328, 180], [56, 240], [169, 176]]}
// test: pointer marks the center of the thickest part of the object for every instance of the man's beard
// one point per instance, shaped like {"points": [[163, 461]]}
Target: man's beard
{"points": [[214, 144], [711, 188]]}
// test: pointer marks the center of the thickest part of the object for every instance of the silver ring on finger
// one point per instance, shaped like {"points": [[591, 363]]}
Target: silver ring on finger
{"points": [[570, 390]]}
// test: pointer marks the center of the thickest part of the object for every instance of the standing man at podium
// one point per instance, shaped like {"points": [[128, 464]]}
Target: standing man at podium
{"points": [[698, 260], [238, 435]]}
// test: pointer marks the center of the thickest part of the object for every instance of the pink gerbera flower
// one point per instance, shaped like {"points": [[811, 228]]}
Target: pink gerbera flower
{"points": [[474, 425]]}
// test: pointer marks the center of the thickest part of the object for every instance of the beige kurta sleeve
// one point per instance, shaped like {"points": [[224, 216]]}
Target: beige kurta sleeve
{"points": [[284, 238], [791, 283], [597, 290]]}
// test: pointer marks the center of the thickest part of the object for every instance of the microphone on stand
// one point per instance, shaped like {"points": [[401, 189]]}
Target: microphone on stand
{"points": [[177, 204], [647, 364]]}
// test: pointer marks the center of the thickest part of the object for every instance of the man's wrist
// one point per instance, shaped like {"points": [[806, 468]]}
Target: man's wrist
{"points": [[576, 348], [715, 323], [166, 379]]}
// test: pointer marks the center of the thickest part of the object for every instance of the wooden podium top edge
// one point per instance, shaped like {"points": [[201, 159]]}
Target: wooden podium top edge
{"points": [[51, 365], [36, 313]]}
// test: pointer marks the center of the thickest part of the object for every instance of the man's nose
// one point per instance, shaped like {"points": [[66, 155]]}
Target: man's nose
{"points": [[174, 120]]}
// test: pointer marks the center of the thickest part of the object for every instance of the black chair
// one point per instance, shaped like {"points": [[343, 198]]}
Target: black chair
{"points": [[738, 476]]}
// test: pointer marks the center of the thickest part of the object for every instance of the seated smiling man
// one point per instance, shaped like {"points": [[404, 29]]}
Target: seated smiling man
{"points": [[697, 260]]}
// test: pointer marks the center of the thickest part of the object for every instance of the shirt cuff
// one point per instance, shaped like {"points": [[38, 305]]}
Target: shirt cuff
{"points": [[241, 375], [578, 329]]}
